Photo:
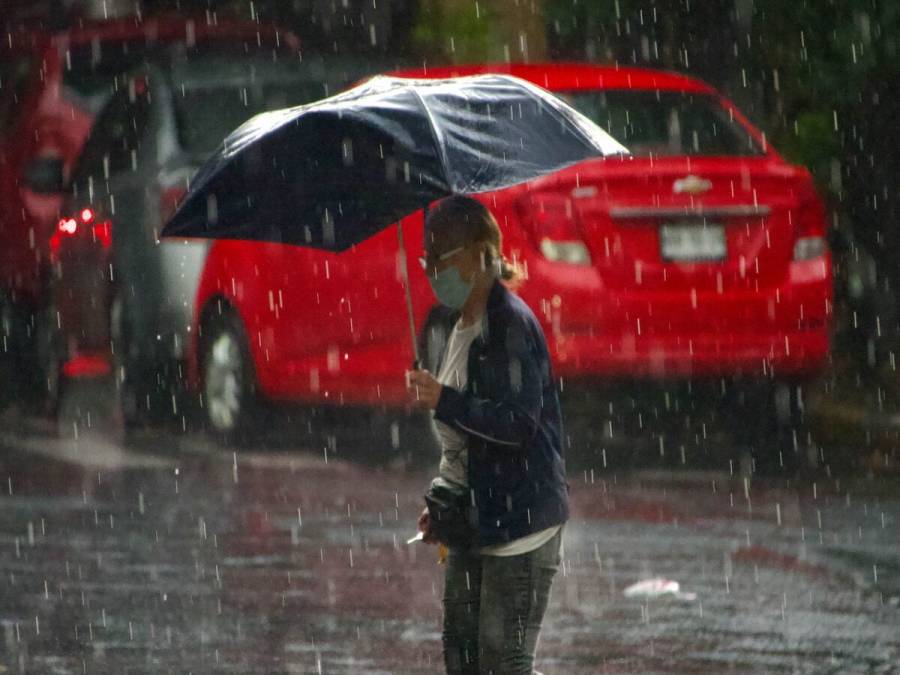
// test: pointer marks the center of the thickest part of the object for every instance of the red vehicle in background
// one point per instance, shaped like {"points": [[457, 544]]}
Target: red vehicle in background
{"points": [[699, 257], [120, 301], [52, 85]]}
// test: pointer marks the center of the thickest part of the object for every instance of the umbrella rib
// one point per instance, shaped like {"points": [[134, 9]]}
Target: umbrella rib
{"points": [[438, 139]]}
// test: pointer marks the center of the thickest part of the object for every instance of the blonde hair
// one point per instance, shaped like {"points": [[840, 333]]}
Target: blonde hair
{"points": [[468, 221]]}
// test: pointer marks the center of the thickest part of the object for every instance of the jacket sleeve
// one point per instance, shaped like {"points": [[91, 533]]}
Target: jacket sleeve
{"points": [[512, 418]]}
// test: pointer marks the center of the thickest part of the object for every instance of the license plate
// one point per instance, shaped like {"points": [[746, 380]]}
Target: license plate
{"points": [[692, 242]]}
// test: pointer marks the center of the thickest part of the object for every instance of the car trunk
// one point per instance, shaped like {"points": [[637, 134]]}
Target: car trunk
{"points": [[667, 235], [738, 233]]}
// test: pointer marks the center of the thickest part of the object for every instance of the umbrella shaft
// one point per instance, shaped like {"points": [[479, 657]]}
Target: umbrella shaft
{"points": [[409, 306]]}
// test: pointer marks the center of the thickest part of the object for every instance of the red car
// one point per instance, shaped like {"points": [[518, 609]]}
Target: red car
{"points": [[119, 300], [700, 255], [52, 85]]}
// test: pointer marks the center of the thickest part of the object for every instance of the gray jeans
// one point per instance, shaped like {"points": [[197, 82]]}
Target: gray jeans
{"points": [[493, 608]]}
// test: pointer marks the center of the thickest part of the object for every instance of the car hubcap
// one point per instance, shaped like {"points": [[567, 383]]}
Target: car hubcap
{"points": [[224, 375]]}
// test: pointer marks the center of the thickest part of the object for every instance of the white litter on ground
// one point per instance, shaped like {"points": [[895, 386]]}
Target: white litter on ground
{"points": [[657, 588]]}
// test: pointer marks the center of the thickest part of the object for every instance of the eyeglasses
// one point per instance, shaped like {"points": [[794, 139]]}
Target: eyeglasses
{"points": [[433, 260]]}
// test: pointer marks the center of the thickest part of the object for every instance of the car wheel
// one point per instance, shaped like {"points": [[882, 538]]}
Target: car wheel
{"points": [[794, 448], [228, 379], [26, 335], [770, 427], [7, 354], [48, 351], [140, 400]]}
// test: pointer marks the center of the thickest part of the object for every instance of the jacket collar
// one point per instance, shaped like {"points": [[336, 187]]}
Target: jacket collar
{"points": [[490, 322], [497, 295], [497, 298]]}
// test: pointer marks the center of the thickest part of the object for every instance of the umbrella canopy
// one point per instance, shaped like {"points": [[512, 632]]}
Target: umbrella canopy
{"points": [[333, 173]]}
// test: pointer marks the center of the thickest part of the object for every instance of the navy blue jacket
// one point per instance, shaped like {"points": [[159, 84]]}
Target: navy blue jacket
{"points": [[511, 416]]}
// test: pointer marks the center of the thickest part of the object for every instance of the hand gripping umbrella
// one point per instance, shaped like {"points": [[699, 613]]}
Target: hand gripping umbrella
{"points": [[331, 174]]}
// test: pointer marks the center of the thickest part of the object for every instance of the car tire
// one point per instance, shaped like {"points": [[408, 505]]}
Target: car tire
{"points": [[141, 400], [47, 350], [770, 429], [228, 380], [8, 350], [25, 379]]}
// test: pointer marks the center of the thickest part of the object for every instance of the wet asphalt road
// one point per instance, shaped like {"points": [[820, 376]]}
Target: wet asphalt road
{"points": [[167, 553]]}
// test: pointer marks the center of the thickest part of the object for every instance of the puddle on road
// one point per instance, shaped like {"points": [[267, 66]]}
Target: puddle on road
{"points": [[299, 564]]}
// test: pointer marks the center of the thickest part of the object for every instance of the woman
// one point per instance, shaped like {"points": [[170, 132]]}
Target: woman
{"points": [[497, 414]]}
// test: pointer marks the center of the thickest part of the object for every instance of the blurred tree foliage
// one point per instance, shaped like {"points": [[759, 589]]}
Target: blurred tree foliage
{"points": [[469, 31], [791, 66]]}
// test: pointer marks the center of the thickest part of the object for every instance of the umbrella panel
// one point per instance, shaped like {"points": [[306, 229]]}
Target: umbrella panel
{"points": [[331, 174], [305, 185], [494, 139]]}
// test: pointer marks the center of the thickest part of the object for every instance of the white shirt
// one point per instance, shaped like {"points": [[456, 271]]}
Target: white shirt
{"points": [[454, 372]]}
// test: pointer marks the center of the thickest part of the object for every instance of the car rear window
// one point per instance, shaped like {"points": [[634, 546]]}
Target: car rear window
{"points": [[91, 69], [233, 104], [666, 123], [217, 87], [114, 141]]}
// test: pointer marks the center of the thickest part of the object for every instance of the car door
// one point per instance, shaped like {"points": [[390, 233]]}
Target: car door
{"points": [[343, 315]]}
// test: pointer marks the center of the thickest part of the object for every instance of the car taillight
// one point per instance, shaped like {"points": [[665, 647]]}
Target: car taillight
{"points": [[808, 248], [70, 227], [809, 229], [66, 227], [550, 223]]}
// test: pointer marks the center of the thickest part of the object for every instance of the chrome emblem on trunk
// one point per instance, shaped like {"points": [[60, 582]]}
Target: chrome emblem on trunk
{"points": [[692, 185]]}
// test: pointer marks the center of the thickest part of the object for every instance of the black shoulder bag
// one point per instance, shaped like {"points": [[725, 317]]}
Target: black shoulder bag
{"points": [[452, 516]]}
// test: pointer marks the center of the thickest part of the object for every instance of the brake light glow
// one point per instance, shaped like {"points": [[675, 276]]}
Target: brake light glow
{"points": [[70, 227], [67, 226]]}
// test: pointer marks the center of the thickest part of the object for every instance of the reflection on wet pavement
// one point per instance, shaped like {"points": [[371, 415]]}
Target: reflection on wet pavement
{"points": [[196, 560]]}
